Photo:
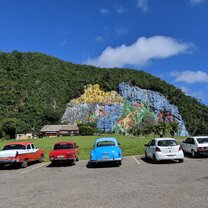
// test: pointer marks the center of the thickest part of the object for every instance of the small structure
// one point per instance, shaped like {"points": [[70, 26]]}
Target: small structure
{"points": [[59, 130], [24, 136]]}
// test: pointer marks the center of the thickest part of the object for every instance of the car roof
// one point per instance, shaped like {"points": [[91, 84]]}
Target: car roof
{"points": [[160, 139], [22, 143], [64, 143], [106, 139], [197, 137]]}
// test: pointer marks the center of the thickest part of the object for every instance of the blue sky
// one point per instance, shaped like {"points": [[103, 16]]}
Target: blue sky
{"points": [[168, 39]]}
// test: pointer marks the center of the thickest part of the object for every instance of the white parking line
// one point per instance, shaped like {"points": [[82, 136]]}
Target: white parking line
{"points": [[136, 160], [36, 167]]}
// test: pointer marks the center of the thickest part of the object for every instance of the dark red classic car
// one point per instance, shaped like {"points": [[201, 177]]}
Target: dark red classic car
{"points": [[64, 151]]}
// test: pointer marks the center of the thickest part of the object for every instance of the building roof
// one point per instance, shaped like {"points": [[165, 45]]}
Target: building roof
{"points": [[55, 128]]}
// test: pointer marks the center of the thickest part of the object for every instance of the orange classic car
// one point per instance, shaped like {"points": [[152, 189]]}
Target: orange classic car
{"points": [[20, 153]]}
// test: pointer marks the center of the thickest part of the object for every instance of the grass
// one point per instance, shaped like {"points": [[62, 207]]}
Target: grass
{"points": [[129, 145]]}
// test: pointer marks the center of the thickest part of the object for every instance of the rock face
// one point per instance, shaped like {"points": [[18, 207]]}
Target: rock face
{"points": [[119, 112], [159, 104]]}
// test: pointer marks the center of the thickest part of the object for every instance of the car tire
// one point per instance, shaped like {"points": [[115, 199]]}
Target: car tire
{"points": [[77, 159], [155, 159], [181, 160], [25, 163], [41, 158], [145, 153], [193, 153], [118, 163]]}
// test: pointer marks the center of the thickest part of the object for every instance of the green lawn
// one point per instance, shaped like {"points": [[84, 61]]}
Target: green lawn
{"points": [[129, 145]]}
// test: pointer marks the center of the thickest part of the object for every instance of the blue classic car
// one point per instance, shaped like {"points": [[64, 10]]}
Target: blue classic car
{"points": [[106, 150]]}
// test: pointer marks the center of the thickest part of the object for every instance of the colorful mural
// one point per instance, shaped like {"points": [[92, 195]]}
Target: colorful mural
{"points": [[112, 111]]}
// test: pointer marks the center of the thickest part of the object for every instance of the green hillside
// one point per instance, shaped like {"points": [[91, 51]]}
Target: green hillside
{"points": [[35, 88]]}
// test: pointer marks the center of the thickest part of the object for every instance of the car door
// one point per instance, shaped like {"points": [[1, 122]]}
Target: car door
{"points": [[29, 153], [189, 144], [150, 148], [34, 152]]}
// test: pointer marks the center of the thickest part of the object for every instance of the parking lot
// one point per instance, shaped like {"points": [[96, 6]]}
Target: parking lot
{"points": [[137, 183]]}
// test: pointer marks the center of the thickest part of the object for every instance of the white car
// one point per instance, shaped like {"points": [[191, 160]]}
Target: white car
{"points": [[164, 149], [197, 145]]}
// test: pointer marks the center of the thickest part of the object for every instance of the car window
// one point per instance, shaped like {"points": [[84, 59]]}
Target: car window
{"points": [[14, 146], [32, 145], [105, 143], [63, 146], [202, 140], [166, 143], [28, 146], [191, 141], [188, 140], [152, 143]]}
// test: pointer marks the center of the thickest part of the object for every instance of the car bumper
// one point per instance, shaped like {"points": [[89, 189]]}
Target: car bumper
{"points": [[61, 159], [106, 160], [161, 156], [9, 161], [203, 152]]}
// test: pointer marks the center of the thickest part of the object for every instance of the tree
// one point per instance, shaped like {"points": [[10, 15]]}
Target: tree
{"points": [[9, 128]]}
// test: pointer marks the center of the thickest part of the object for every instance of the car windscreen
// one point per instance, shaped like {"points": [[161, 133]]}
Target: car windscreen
{"points": [[14, 147], [202, 140], [105, 143], [63, 146], [166, 143]]}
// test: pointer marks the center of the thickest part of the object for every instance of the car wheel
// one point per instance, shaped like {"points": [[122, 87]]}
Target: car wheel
{"points": [[77, 159], [25, 163], [145, 153], [193, 153], [119, 163], [41, 158], [155, 159], [181, 160]]}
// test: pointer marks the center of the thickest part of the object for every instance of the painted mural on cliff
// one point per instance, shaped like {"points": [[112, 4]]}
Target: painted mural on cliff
{"points": [[113, 111]]}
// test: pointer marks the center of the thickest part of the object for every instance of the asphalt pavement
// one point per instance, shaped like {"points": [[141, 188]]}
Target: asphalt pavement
{"points": [[136, 183]]}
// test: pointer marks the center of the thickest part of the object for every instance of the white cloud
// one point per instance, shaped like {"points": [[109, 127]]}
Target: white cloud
{"points": [[103, 11], [190, 77], [121, 30], [196, 2], [99, 38], [120, 9], [140, 52], [143, 4], [198, 94]]}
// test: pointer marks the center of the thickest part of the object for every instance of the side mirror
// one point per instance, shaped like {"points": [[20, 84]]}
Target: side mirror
{"points": [[146, 145], [119, 143], [77, 146], [93, 146]]}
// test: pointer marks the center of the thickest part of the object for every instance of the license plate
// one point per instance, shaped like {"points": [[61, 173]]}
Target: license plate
{"points": [[170, 155], [60, 156], [105, 157]]}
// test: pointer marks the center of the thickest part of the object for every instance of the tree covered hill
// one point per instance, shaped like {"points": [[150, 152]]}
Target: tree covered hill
{"points": [[35, 88]]}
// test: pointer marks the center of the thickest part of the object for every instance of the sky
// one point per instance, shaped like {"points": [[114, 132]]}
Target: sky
{"points": [[168, 39]]}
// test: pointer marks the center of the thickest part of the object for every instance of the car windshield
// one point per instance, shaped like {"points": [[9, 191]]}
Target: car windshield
{"points": [[14, 147], [63, 146], [166, 143], [105, 143], [202, 140]]}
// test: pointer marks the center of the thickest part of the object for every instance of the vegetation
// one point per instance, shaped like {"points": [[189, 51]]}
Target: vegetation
{"points": [[129, 145], [35, 88]]}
